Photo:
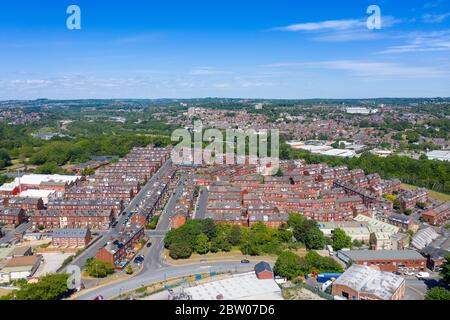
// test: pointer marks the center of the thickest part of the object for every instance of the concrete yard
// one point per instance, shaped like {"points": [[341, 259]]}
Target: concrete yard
{"points": [[52, 261]]}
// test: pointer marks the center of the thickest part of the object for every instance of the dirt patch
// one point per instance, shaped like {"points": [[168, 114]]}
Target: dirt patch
{"points": [[300, 294]]}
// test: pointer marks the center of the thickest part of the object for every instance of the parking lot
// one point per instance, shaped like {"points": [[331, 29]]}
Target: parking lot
{"points": [[52, 261]]}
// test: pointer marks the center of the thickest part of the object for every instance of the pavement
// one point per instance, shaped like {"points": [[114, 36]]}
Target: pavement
{"points": [[90, 252]]}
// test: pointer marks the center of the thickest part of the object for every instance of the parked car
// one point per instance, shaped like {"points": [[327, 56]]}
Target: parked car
{"points": [[423, 275], [148, 245], [138, 259], [245, 261]]}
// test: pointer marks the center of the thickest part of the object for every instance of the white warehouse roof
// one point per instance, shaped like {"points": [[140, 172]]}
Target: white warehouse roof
{"points": [[239, 287]]}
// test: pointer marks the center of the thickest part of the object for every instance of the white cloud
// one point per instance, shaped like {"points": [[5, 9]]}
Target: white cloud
{"points": [[422, 42], [341, 30], [323, 25], [435, 18], [208, 71], [371, 70]]}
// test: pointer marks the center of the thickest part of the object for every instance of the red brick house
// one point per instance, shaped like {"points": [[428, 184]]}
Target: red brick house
{"points": [[11, 216], [71, 238]]}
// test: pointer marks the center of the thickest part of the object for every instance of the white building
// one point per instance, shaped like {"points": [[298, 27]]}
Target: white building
{"points": [[45, 195], [361, 110], [375, 225], [441, 155], [238, 287], [365, 283]]}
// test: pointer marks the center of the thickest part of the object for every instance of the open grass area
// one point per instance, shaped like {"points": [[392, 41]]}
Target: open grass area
{"points": [[233, 255], [433, 194]]}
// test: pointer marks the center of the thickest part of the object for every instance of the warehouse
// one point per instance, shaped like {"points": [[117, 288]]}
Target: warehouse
{"points": [[365, 283], [386, 260]]}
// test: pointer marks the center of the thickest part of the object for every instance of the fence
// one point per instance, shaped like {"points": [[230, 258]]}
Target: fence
{"points": [[317, 291]]}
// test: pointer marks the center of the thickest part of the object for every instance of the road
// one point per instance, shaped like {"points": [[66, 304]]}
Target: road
{"points": [[153, 254], [90, 252], [200, 209], [151, 276], [417, 289], [11, 235]]}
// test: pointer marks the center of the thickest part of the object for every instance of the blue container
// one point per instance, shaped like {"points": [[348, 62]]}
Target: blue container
{"points": [[324, 277]]}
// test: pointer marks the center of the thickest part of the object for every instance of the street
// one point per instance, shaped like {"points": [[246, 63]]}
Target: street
{"points": [[90, 252], [202, 202], [113, 290]]}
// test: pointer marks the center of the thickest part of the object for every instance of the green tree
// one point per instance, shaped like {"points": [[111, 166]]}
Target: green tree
{"points": [[99, 269], [5, 159], [315, 239], [445, 272], [49, 287], [438, 293], [287, 265], [421, 205], [180, 250], [202, 244], [129, 269], [341, 240], [235, 235], [209, 228]]}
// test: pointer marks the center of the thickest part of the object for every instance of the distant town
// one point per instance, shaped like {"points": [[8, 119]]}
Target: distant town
{"points": [[93, 207]]}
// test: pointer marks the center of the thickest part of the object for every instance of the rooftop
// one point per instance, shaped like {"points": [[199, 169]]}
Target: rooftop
{"points": [[367, 280], [239, 287], [367, 255]]}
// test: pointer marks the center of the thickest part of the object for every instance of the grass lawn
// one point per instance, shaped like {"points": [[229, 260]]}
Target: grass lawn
{"points": [[433, 194]]}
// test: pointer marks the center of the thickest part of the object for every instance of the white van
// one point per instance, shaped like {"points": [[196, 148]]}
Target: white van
{"points": [[330, 250], [423, 275]]}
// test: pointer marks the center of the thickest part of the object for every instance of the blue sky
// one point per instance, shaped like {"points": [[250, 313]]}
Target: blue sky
{"points": [[252, 49]]}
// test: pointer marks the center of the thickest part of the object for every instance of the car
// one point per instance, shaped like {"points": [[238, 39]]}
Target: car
{"points": [[114, 224], [99, 297], [245, 261], [423, 275], [138, 259], [408, 273], [148, 245]]}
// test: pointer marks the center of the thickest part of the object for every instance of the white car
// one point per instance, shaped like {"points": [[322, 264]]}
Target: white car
{"points": [[422, 275], [408, 273]]}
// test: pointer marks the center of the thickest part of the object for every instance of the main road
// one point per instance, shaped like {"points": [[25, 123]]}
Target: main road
{"points": [[148, 277], [90, 252]]}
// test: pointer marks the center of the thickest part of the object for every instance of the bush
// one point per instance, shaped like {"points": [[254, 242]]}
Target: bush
{"points": [[99, 269], [287, 265], [438, 293], [129, 269]]}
